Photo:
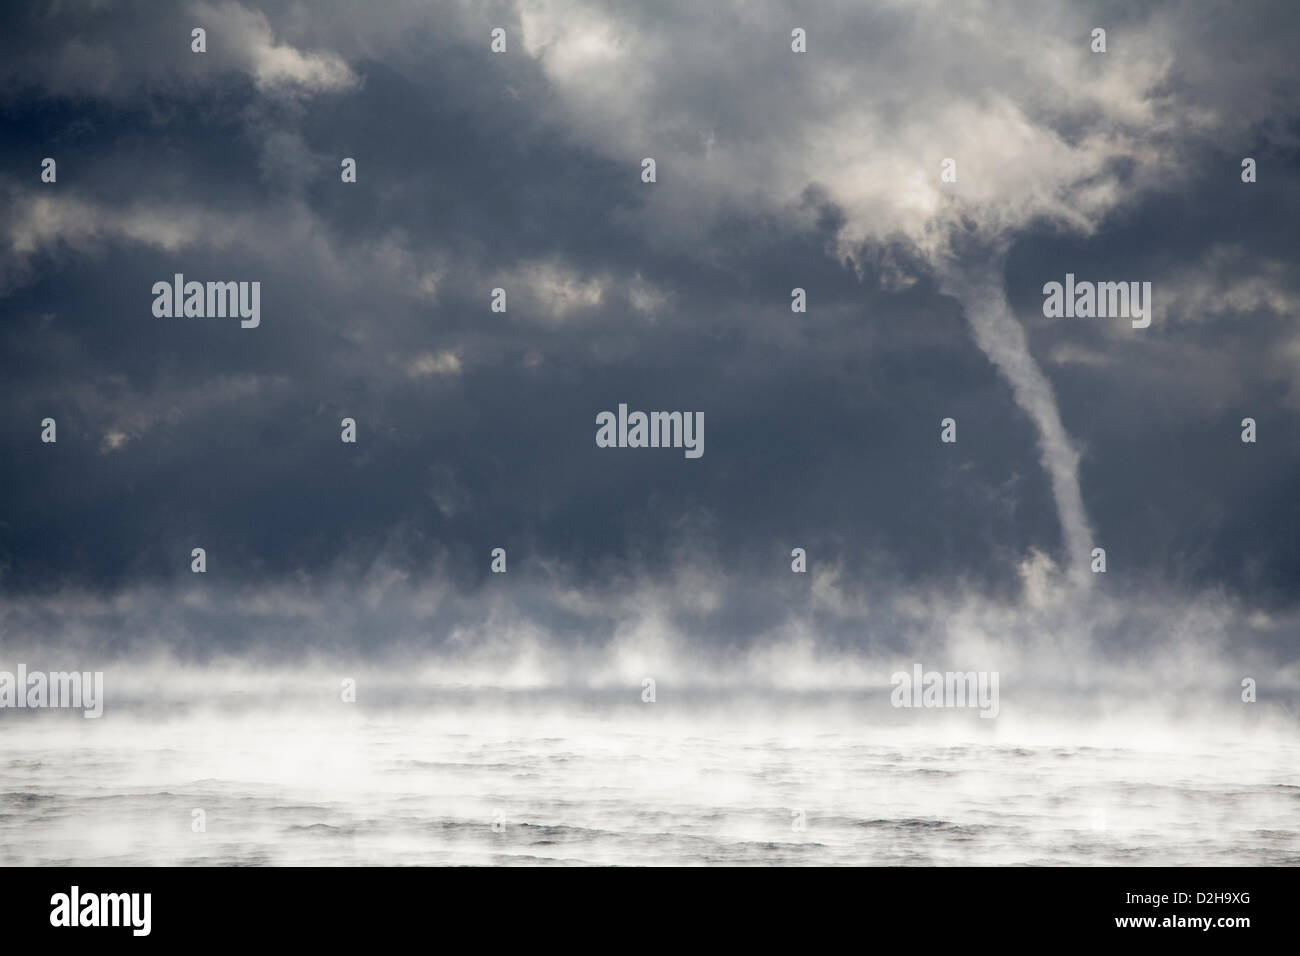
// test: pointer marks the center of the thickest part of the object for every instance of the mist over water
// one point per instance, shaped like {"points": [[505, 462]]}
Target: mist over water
{"points": [[1121, 736], [419, 769]]}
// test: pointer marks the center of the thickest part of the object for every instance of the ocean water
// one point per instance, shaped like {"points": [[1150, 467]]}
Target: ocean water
{"points": [[554, 782]]}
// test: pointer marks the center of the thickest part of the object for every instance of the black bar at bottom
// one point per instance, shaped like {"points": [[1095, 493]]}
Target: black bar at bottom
{"points": [[647, 906]]}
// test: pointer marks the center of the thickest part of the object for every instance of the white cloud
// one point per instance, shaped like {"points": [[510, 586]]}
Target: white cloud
{"points": [[1033, 135], [245, 37], [1228, 282], [645, 297], [113, 440], [434, 363], [557, 289]]}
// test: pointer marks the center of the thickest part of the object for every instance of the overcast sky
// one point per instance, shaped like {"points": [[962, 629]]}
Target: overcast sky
{"points": [[522, 170]]}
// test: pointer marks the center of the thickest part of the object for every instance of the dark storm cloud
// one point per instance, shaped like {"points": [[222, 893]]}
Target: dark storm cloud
{"points": [[522, 171]]}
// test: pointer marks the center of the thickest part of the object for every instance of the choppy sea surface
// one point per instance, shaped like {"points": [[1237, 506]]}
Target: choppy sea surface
{"points": [[495, 784]]}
